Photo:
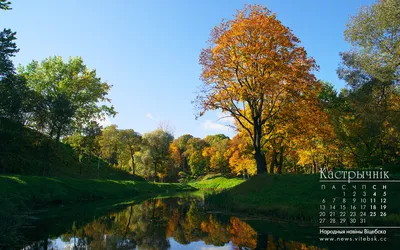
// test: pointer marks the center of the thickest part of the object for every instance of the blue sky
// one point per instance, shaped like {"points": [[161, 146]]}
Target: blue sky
{"points": [[148, 50]]}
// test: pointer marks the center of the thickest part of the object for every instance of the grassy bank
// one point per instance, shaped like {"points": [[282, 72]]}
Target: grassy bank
{"points": [[38, 191], [290, 197], [21, 195], [24, 151], [215, 183]]}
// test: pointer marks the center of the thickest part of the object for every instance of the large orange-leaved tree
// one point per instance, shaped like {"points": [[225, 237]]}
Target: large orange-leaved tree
{"points": [[252, 70]]}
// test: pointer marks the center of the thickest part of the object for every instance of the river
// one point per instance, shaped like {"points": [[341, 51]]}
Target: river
{"points": [[168, 223]]}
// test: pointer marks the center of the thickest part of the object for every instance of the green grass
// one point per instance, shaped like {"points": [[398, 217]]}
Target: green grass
{"points": [[24, 196], [215, 183], [28, 152], [291, 197], [47, 190]]}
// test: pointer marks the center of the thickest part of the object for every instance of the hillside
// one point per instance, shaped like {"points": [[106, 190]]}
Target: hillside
{"points": [[28, 152], [289, 197]]}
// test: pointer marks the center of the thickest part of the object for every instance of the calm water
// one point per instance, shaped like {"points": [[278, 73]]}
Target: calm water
{"points": [[173, 223]]}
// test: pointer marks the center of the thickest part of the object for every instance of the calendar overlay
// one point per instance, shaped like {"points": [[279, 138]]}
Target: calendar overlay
{"points": [[355, 206]]}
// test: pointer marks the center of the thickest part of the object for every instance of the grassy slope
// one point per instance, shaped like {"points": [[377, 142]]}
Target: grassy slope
{"points": [[33, 190], [20, 194], [215, 183], [24, 151], [287, 196]]}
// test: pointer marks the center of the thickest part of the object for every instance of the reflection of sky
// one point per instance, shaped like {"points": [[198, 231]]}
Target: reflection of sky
{"points": [[197, 245], [59, 244]]}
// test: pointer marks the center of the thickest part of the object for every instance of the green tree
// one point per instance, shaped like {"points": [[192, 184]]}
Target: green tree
{"points": [[131, 141], [77, 143], [17, 101], [158, 143], [144, 163], [109, 143], [196, 161], [8, 49], [370, 111], [375, 39], [92, 132], [71, 84], [5, 5], [14, 92]]}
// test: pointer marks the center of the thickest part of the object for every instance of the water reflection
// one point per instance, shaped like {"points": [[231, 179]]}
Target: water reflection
{"points": [[165, 224]]}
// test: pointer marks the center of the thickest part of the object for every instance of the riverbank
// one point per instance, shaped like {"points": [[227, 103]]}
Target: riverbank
{"points": [[292, 197], [19, 195], [41, 191], [215, 183]]}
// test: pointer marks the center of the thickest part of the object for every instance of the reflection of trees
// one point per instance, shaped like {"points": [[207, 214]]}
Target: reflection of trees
{"points": [[151, 224], [242, 235], [216, 232]]}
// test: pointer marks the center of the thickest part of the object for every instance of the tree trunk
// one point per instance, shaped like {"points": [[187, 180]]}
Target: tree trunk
{"points": [[280, 162], [58, 134], [259, 156], [155, 171], [98, 167], [154, 210], [133, 160], [273, 162], [46, 166], [4, 165], [325, 164], [51, 132], [262, 241], [129, 222], [314, 171], [185, 164], [80, 163]]}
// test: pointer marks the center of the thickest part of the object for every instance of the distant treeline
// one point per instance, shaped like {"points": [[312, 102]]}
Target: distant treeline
{"points": [[254, 70]]}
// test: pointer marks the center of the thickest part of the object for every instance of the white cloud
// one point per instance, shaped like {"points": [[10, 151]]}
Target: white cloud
{"points": [[148, 115], [226, 246], [226, 118], [214, 126]]}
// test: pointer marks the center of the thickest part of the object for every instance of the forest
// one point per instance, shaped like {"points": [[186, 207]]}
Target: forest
{"points": [[254, 70], [69, 181]]}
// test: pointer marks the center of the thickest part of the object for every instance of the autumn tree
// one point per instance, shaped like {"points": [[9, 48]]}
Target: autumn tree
{"points": [[215, 153], [240, 157], [175, 155], [177, 151], [254, 65]]}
